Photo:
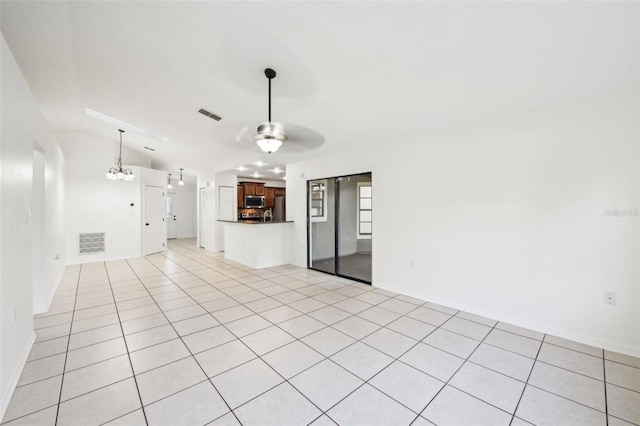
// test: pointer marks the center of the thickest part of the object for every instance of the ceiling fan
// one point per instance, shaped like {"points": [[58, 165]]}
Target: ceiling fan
{"points": [[270, 135]]}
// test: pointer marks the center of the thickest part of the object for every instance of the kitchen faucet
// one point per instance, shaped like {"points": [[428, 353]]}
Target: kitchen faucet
{"points": [[267, 213]]}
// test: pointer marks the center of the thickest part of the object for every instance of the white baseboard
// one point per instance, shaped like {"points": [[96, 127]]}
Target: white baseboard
{"points": [[53, 291], [7, 392], [531, 325]]}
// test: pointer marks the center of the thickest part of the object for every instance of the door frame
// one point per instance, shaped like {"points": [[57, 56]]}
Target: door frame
{"points": [[144, 218], [173, 215], [201, 197], [336, 218]]}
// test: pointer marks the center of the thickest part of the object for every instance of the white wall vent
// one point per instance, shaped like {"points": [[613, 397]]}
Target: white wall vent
{"points": [[91, 242]]}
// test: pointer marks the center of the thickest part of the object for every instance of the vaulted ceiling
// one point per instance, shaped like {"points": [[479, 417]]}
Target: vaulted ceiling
{"points": [[356, 73]]}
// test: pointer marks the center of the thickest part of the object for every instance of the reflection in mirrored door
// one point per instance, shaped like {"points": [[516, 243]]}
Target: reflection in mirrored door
{"points": [[340, 226], [322, 225]]}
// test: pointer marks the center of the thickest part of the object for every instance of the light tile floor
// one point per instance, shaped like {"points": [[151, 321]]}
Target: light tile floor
{"points": [[188, 338]]}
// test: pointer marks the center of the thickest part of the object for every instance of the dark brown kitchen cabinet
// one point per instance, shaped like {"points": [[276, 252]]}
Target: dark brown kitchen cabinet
{"points": [[240, 196], [279, 192], [253, 188], [269, 197], [249, 188]]}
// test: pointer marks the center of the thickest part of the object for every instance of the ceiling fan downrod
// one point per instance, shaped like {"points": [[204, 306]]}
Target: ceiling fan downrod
{"points": [[271, 74]]}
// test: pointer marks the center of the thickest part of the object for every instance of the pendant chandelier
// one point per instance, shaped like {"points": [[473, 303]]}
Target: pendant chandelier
{"points": [[120, 173], [181, 181]]}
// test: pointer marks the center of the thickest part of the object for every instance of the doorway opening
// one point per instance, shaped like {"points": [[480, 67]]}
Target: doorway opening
{"points": [[339, 231], [172, 221]]}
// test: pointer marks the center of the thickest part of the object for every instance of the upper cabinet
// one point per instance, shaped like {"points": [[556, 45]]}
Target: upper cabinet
{"points": [[253, 188], [240, 196], [256, 188], [249, 188], [269, 197]]}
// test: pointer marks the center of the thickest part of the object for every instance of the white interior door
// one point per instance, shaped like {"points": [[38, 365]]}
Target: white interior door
{"points": [[154, 224], [172, 221]]}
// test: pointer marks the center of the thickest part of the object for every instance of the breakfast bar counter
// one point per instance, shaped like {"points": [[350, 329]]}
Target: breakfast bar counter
{"points": [[257, 244]]}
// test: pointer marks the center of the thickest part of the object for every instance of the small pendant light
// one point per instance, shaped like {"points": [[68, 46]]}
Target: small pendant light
{"points": [[181, 182]]}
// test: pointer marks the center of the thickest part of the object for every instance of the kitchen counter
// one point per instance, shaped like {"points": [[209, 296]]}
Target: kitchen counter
{"points": [[257, 246], [255, 221]]}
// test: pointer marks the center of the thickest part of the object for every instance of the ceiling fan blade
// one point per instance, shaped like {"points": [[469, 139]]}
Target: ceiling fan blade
{"points": [[243, 134], [300, 139]]}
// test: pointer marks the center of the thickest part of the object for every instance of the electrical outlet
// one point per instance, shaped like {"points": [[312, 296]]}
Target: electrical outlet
{"points": [[609, 298]]}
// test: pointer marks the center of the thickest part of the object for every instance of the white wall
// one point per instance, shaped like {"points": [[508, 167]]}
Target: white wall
{"points": [[206, 215], [212, 231], [508, 219], [23, 129], [97, 204]]}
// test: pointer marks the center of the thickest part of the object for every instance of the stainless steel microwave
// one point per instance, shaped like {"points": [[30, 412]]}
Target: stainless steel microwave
{"points": [[254, 201]]}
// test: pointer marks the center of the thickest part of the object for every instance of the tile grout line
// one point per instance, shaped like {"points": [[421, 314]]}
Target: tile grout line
{"points": [[387, 366], [360, 340], [458, 369], [565, 398], [604, 384], [182, 340], [527, 381], [507, 331], [66, 355], [126, 345], [258, 357], [364, 343], [185, 265], [411, 366], [285, 380]]}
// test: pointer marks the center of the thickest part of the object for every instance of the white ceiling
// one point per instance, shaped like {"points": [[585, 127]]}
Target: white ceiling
{"points": [[356, 73]]}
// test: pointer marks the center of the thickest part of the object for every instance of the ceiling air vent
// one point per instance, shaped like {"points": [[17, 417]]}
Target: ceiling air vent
{"points": [[209, 114]]}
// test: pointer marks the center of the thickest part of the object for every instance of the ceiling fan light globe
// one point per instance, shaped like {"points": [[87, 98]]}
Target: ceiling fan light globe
{"points": [[269, 145]]}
